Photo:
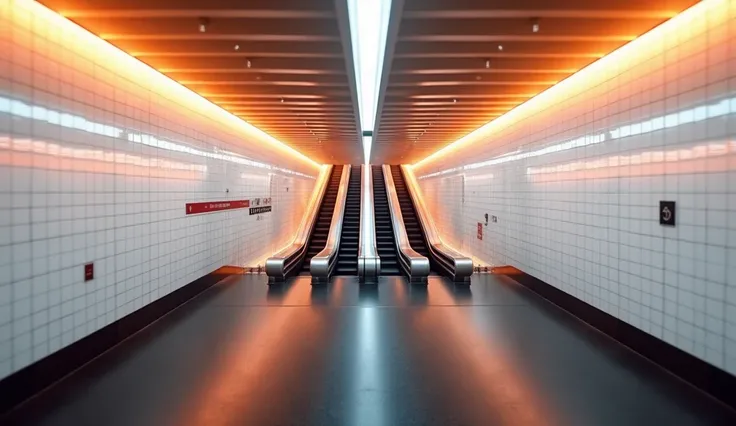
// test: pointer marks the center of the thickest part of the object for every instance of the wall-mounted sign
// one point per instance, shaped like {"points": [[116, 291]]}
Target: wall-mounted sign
{"points": [[89, 272], [259, 210], [261, 202], [216, 206], [667, 213], [480, 230]]}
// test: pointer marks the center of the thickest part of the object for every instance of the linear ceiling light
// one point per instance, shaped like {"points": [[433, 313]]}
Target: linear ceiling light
{"points": [[368, 32]]}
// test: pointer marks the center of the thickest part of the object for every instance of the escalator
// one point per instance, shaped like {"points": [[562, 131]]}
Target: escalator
{"points": [[347, 257], [318, 239], [408, 211], [385, 241]]}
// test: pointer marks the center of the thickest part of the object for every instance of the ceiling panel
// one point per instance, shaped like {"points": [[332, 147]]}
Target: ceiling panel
{"points": [[458, 64], [278, 64]]}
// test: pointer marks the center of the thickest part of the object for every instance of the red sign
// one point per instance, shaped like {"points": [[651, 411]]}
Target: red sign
{"points": [[216, 206], [480, 231], [89, 271]]}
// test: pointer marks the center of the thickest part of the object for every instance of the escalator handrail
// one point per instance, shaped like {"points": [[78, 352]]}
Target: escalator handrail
{"points": [[283, 263], [323, 263], [458, 265], [413, 264], [369, 264]]}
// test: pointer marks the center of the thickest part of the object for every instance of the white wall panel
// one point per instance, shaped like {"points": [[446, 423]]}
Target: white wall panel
{"points": [[98, 156], [576, 175]]}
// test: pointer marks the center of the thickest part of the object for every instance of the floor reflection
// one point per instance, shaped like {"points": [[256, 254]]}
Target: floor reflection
{"points": [[368, 295], [352, 355]]}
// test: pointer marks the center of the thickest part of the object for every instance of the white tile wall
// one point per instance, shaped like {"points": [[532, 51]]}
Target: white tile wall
{"points": [[575, 178], [98, 156]]}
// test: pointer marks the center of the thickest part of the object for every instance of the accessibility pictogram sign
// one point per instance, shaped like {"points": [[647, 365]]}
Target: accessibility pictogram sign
{"points": [[667, 213]]}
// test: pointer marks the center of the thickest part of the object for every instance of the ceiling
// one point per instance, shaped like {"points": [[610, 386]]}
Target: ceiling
{"points": [[450, 65], [439, 86], [298, 88]]}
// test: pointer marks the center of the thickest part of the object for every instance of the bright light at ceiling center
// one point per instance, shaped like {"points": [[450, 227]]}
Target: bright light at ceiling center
{"points": [[368, 29]]}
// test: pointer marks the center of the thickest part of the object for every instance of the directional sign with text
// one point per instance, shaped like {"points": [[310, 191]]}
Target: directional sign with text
{"points": [[216, 206]]}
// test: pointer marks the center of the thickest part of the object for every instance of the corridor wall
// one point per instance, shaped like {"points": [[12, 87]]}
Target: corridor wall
{"points": [[575, 176], [99, 154]]}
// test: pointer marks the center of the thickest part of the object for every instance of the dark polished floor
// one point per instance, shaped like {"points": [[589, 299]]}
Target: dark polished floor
{"points": [[493, 354]]}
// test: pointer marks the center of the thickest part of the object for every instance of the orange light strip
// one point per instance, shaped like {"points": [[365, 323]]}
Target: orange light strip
{"points": [[643, 46], [87, 45]]}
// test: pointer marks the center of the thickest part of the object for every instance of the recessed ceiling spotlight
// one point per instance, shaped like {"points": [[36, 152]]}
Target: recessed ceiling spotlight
{"points": [[488, 63], [236, 47], [535, 25], [500, 47], [454, 101], [477, 77], [282, 100], [248, 64], [203, 23]]}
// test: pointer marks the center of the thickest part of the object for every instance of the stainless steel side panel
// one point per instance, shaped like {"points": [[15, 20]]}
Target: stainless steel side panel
{"points": [[414, 264], [369, 264], [324, 262], [461, 266], [280, 264]]}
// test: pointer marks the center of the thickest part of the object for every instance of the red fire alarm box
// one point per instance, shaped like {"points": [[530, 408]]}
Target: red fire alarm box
{"points": [[89, 271], [480, 231]]}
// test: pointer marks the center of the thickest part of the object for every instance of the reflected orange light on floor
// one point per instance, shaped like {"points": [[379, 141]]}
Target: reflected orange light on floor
{"points": [[645, 46], [234, 380], [30, 14], [505, 387]]}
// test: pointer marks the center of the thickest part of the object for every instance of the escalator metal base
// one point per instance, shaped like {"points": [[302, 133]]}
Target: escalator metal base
{"points": [[320, 281], [417, 280], [276, 280]]}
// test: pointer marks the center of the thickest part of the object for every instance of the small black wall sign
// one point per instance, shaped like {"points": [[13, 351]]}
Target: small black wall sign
{"points": [[259, 210], [667, 213]]}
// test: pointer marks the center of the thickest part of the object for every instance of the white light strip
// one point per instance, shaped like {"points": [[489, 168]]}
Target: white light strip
{"points": [[715, 109], [368, 32], [36, 112]]}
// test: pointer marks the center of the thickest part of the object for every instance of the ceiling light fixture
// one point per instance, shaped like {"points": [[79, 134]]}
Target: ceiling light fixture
{"points": [[248, 64], [237, 47], [535, 25], [488, 63], [368, 33], [203, 23], [500, 47]]}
